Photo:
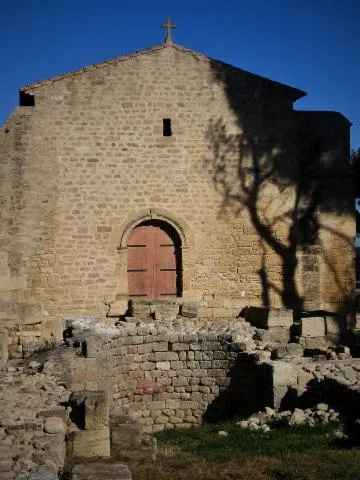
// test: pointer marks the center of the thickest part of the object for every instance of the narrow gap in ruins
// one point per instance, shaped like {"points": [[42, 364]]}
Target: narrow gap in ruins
{"points": [[77, 416], [167, 127]]}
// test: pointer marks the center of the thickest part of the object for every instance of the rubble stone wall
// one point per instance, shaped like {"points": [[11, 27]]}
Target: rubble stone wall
{"points": [[305, 380], [168, 376]]}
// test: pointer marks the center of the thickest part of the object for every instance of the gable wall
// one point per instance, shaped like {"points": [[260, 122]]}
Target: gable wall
{"points": [[91, 153]]}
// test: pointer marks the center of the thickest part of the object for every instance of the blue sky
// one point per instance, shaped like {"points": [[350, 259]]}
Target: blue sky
{"points": [[310, 44]]}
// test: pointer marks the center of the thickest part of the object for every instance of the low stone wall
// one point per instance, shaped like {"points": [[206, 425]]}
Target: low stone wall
{"points": [[175, 374], [139, 378]]}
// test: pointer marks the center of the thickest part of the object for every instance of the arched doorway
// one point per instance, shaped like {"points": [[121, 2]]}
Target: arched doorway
{"points": [[154, 261]]}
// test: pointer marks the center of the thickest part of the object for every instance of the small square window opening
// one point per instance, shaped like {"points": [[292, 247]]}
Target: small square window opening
{"points": [[167, 127]]}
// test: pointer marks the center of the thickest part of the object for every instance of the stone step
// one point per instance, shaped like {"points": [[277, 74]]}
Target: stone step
{"points": [[101, 471]]}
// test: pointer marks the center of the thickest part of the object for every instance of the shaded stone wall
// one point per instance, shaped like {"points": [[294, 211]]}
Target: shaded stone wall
{"points": [[327, 262]]}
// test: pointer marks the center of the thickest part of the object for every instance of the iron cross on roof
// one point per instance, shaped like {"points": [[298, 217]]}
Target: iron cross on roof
{"points": [[168, 25]]}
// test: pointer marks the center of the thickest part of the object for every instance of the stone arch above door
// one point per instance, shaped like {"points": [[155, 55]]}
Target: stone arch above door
{"points": [[119, 244], [123, 231]]}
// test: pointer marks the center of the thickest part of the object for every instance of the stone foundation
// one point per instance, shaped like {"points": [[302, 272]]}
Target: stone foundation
{"points": [[139, 378], [167, 375]]}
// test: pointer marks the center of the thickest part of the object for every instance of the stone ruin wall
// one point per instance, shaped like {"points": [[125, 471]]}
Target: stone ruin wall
{"points": [[176, 374], [138, 378], [177, 370], [171, 375]]}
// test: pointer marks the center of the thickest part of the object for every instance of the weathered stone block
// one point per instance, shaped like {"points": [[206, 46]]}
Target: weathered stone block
{"points": [[179, 381], [164, 309], [54, 425], [284, 374], [321, 343], [269, 317], [163, 365], [313, 327], [335, 325], [59, 412], [7, 310], [160, 347], [29, 313], [4, 354], [165, 356], [145, 348], [118, 308], [11, 283], [85, 370], [304, 378], [52, 328], [289, 350], [140, 308], [221, 313], [278, 395], [105, 365], [91, 443], [280, 334], [177, 365], [106, 384], [43, 472], [173, 404], [125, 434], [90, 409], [189, 309], [157, 405], [180, 346]]}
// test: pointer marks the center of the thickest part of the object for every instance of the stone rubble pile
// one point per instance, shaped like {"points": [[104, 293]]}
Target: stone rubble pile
{"points": [[264, 421], [32, 423], [346, 373], [157, 374]]}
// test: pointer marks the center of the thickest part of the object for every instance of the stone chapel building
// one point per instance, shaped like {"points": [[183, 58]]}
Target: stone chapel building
{"points": [[166, 174]]}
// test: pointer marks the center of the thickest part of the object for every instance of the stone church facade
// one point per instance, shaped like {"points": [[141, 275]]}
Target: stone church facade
{"points": [[168, 175]]}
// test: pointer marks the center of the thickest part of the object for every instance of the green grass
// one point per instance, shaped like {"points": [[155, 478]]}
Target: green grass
{"points": [[205, 442], [300, 453]]}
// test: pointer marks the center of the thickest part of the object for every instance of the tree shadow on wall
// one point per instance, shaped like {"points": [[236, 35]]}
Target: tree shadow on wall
{"points": [[281, 170]]}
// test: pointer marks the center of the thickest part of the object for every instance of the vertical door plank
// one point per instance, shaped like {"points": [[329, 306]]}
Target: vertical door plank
{"points": [[165, 265], [140, 263]]}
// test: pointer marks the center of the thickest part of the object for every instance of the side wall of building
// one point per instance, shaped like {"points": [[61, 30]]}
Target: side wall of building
{"points": [[328, 259]]}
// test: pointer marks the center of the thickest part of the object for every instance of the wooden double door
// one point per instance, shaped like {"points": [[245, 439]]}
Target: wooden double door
{"points": [[154, 261]]}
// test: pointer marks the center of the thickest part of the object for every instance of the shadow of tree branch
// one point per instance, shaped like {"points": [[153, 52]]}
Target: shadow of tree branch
{"points": [[267, 166]]}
